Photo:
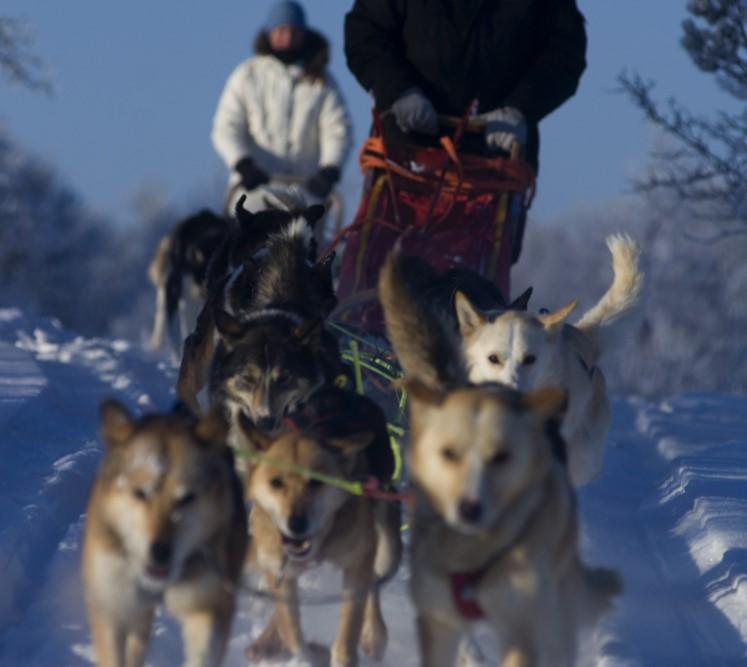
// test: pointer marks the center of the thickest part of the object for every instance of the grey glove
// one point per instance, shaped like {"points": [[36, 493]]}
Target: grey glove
{"points": [[415, 113], [504, 127]]}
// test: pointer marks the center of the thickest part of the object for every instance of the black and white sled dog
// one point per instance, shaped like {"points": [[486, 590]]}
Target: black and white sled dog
{"points": [[260, 345], [183, 253]]}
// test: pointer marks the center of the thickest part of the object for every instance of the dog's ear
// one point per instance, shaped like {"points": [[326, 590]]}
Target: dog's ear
{"points": [[547, 402], [556, 317], [242, 215], [252, 435], [469, 318], [314, 214], [419, 392], [229, 327], [213, 428], [117, 426], [521, 302]]}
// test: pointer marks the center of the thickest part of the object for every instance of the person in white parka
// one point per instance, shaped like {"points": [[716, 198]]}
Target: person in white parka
{"points": [[281, 116]]}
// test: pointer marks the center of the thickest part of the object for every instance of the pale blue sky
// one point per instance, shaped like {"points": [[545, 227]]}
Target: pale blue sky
{"points": [[137, 83]]}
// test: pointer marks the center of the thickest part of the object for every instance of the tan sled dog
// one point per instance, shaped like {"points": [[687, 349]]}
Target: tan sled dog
{"points": [[495, 534], [527, 351], [297, 522], [165, 524], [495, 530]]}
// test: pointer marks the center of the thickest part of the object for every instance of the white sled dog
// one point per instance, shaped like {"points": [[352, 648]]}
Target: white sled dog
{"points": [[526, 351], [165, 524], [494, 532]]}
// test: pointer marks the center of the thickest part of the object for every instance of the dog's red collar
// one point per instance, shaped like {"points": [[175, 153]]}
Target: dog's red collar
{"points": [[464, 592]]}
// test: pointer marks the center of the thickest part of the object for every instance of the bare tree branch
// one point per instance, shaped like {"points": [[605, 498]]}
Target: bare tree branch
{"points": [[17, 64]]}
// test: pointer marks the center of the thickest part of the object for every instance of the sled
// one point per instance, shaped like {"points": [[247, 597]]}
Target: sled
{"points": [[454, 208]]}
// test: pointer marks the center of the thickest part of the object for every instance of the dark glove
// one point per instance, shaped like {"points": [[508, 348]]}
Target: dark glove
{"points": [[251, 175], [415, 113], [321, 183]]}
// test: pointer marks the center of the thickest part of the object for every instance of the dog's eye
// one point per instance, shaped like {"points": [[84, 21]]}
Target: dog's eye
{"points": [[499, 458], [139, 494], [529, 360], [450, 454], [276, 483], [494, 359], [186, 499]]}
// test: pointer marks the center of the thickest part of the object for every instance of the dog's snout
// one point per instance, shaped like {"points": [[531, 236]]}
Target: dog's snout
{"points": [[470, 510], [160, 552], [298, 524]]}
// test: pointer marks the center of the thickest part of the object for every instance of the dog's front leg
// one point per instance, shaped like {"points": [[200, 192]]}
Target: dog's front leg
{"points": [[205, 633], [438, 641], [356, 586], [288, 616], [108, 640]]}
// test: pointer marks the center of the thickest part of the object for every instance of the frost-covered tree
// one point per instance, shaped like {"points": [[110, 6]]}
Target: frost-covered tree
{"points": [[704, 163], [18, 64]]}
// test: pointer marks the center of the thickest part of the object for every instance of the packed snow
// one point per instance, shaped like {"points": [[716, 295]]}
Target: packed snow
{"points": [[669, 511]]}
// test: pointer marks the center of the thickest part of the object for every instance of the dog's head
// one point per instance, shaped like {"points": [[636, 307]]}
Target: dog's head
{"points": [[476, 450], [266, 368], [302, 507], [167, 488], [517, 349]]}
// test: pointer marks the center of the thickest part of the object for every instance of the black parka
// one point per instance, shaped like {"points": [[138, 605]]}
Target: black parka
{"points": [[527, 54]]}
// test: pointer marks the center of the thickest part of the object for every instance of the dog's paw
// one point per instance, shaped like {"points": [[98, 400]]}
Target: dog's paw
{"points": [[267, 648], [374, 640]]}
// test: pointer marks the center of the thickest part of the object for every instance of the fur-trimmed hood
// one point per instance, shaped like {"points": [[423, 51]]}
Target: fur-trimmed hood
{"points": [[314, 52]]}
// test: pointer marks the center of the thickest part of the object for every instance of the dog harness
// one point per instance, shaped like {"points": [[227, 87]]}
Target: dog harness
{"points": [[464, 592]]}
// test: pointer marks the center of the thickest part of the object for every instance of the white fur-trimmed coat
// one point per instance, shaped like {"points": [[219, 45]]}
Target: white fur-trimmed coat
{"points": [[288, 122]]}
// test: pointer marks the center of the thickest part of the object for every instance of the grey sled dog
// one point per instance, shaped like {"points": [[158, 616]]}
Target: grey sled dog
{"points": [[527, 351], [494, 533]]}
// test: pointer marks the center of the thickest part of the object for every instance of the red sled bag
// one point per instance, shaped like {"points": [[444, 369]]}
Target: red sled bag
{"points": [[453, 210]]}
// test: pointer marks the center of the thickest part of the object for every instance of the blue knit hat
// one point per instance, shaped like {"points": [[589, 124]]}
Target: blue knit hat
{"points": [[285, 13]]}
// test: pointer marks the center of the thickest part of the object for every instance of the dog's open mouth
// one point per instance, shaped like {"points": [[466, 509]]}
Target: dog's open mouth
{"points": [[297, 548]]}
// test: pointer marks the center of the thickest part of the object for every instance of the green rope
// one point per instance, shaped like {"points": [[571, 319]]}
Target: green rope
{"points": [[355, 488]]}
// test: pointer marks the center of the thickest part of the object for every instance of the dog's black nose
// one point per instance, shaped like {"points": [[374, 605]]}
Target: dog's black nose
{"points": [[160, 553], [470, 510], [298, 524]]}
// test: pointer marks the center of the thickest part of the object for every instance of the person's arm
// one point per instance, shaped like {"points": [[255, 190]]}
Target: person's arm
{"points": [[374, 50], [335, 128], [230, 133], [554, 74]]}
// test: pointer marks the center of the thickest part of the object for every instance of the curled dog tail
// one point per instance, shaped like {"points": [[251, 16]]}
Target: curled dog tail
{"points": [[387, 524], [626, 286], [158, 267], [424, 345], [158, 274]]}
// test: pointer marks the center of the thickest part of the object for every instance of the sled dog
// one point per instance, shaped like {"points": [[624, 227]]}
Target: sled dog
{"points": [[298, 521], [527, 351], [267, 271], [494, 533], [268, 363], [165, 524], [185, 252]]}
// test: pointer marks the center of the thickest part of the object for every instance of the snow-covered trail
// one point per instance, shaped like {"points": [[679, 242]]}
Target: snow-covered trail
{"points": [[669, 511]]}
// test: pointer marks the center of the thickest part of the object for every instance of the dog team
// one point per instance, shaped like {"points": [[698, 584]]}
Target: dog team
{"points": [[508, 413]]}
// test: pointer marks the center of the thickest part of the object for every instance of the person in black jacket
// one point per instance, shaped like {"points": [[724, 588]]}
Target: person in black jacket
{"points": [[520, 59]]}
